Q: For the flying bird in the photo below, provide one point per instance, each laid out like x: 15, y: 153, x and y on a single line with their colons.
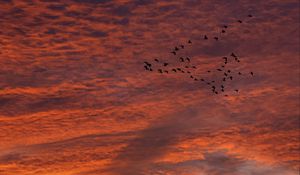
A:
x: 190, y: 42
x: 160, y: 71
x: 250, y: 16
x: 252, y: 73
x: 176, y: 49
x: 174, y: 53
x: 239, y: 21
x: 216, y: 38
x: 225, y: 26
x: 165, y: 64
x: 156, y: 60
x: 182, y: 46
x: 181, y: 59
x: 205, y: 37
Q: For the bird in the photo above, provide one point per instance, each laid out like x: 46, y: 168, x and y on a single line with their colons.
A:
x: 237, y: 90
x: 208, y: 83
x: 213, y: 87
x: 222, y: 90
x: 160, y: 71
x: 239, y: 21
x: 151, y: 69
x: 181, y: 59
x: 165, y: 64
x: 176, y: 49
x: 186, y: 66
x: 148, y: 64
x: 179, y: 69
x: 187, y: 58
x: 225, y: 26
x: 222, y: 86
x: 226, y: 95
x: 216, y: 92
x: 252, y: 73
x: 174, y: 52
x: 188, y: 72
x: 230, y: 77
x: 216, y: 38
x: 205, y: 37
x: 194, y: 67
x: 191, y: 76
x: 182, y: 46
x: 146, y: 67
x: 189, y: 41
x: 228, y: 71
x: 208, y: 71
x: 224, y: 79
x: 250, y: 16
x: 166, y: 71
x: 195, y: 79
x: 212, y: 81
x: 182, y: 71
x: 156, y: 60
x: 202, y: 79
x: 233, y: 55
x: 240, y: 73
x: 219, y: 69
x: 223, y: 66
x: 225, y: 73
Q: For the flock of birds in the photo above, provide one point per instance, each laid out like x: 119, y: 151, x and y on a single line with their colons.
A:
x: 219, y: 84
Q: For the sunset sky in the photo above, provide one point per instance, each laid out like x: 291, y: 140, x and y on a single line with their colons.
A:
x: 75, y: 98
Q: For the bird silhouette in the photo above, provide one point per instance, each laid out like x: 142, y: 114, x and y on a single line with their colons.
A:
x: 240, y: 73
x: 186, y: 66
x: 224, y: 79
x: 250, y: 16
x: 208, y: 71
x: 231, y: 77
x: 194, y: 67
x: 182, y: 46
x: 166, y: 71
x: 216, y: 38
x: 223, y: 31
x: 225, y: 73
x: 165, y: 64
x: 156, y: 60
x: 176, y: 49
x: 239, y: 21
x: 174, y: 53
x: 205, y: 37
x: 146, y: 67
x: 190, y: 42
x: 160, y: 71
x: 191, y: 76
x: 225, y: 26
x: 195, y: 79
x: 202, y: 79
x: 252, y: 73
x: 228, y: 71
x: 181, y: 59
x: 219, y: 69
x: 236, y: 90
x: 174, y: 70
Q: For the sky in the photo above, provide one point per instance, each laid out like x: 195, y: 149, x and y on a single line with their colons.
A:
x: 75, y: 98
